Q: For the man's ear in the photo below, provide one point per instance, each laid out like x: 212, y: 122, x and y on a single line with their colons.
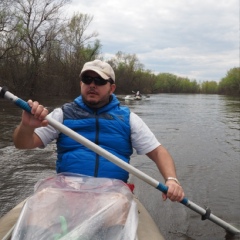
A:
x: 113, y: 87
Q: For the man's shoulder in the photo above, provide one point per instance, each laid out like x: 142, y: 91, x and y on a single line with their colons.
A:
x: 68, y: 104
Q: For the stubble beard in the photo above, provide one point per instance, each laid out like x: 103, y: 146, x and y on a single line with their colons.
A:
x: 96, y: 103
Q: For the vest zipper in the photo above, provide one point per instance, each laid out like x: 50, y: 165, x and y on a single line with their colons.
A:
x: 96, y: 141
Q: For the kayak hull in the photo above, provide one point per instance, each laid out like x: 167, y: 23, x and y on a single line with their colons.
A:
x: 147, y: 229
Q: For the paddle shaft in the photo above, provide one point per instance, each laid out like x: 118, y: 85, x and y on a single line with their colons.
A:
x: 129, y: 168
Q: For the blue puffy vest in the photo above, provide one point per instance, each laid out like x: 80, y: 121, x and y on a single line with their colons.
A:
x: 108, y: 127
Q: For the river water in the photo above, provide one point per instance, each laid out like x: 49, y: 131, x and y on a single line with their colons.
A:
x: 202, y: 133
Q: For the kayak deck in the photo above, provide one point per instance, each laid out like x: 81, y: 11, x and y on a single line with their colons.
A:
x: 8, y: 221
x: 147, y: 228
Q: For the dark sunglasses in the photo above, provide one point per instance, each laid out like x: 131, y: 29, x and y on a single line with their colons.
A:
x: 97, y: 80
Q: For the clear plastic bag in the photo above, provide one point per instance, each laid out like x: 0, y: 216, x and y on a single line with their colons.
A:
x: 77, y: 207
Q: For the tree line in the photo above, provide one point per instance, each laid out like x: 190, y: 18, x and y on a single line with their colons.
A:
x: 42, y: 53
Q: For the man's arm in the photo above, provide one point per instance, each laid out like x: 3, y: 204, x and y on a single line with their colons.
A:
x: 166, y: 166
x: 24, y: 136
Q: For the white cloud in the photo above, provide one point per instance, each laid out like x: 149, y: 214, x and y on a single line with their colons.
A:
x: 198, y: 39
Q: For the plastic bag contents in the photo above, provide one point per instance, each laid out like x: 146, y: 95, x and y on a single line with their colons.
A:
x: 77, y: 207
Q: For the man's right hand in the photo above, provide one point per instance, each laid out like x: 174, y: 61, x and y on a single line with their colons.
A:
x: 37, y: 116
x: 24, y: 136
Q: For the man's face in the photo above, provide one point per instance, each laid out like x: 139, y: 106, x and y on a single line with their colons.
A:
x: 94, y: 95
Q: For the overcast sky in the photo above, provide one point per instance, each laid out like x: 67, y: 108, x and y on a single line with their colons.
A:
x: 198, y: 39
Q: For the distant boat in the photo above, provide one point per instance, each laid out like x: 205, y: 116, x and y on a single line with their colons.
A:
x: 137, y: 96
x: 130, y: 97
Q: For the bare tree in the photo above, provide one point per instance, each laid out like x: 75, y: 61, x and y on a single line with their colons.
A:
x: 127, y: 68
x: 7, y: 28
x: 76, y: 40
x: 39, y: 23
x: 77, y: 46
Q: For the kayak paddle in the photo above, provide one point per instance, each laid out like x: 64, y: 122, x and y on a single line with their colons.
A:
x: 205, y: 213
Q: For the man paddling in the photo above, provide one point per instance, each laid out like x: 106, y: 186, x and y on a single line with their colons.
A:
x: 98, y: 116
